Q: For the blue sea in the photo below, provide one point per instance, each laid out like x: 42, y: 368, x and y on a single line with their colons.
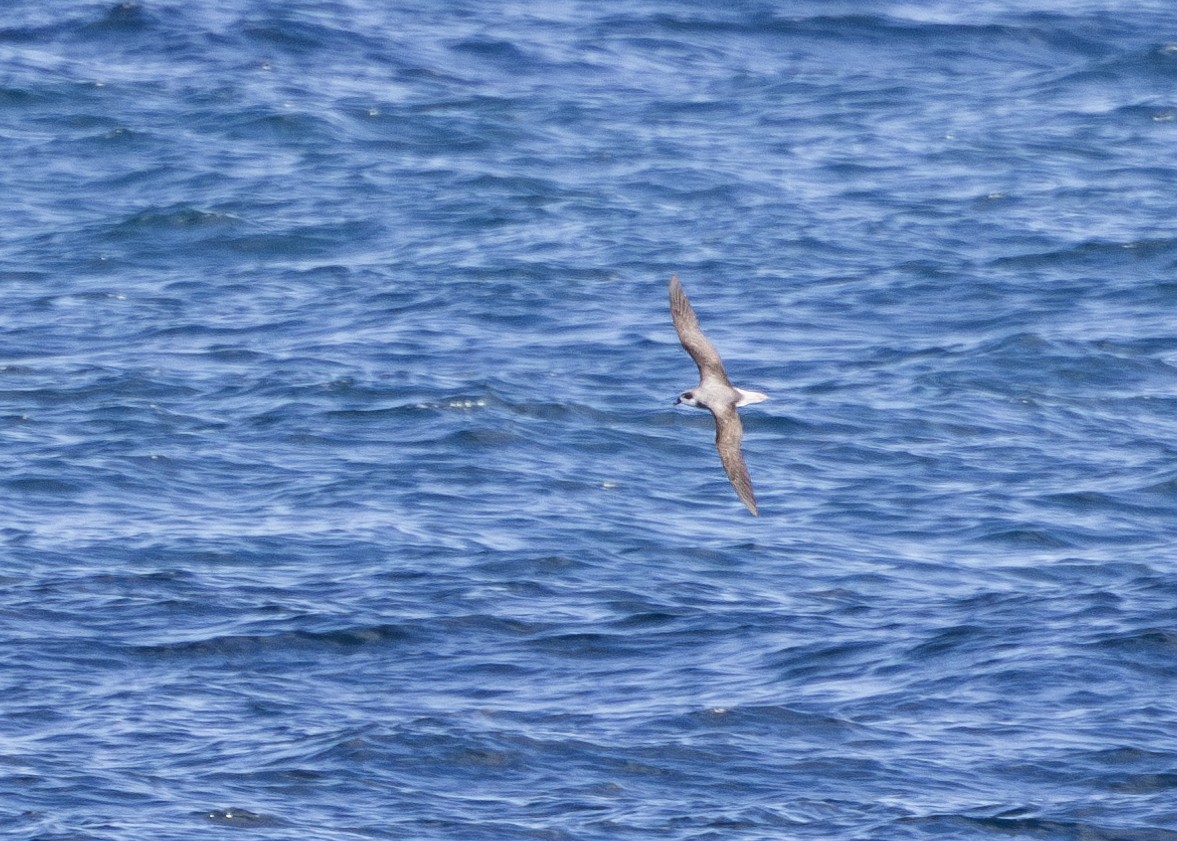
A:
x: 343, y: 495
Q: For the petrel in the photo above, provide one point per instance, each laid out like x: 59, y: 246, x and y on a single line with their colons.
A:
x: 714, y: 393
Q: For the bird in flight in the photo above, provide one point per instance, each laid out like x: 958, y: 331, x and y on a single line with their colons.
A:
x: 715, y: 393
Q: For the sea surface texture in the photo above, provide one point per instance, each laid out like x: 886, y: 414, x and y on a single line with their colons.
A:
x: 343, y: 495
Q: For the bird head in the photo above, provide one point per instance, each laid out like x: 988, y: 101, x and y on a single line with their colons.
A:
x: 687, y: 397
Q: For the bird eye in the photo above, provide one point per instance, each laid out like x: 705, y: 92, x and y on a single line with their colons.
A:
x: 688, y: 395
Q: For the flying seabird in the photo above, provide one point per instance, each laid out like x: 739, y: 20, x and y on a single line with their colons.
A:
x: 714, y: 393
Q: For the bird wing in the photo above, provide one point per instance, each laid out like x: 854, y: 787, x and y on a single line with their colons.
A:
x: 729, y: 431
x: 692, y: 338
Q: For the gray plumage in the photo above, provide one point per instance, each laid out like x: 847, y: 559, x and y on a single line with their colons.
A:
x: 715, y: 393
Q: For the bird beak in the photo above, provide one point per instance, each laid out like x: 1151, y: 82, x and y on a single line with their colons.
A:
x: 677, y: 400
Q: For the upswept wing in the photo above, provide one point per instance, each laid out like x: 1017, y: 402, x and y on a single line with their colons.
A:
x: 691, y: 336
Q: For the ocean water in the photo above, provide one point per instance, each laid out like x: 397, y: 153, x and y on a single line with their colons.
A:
x: 342, y: 495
